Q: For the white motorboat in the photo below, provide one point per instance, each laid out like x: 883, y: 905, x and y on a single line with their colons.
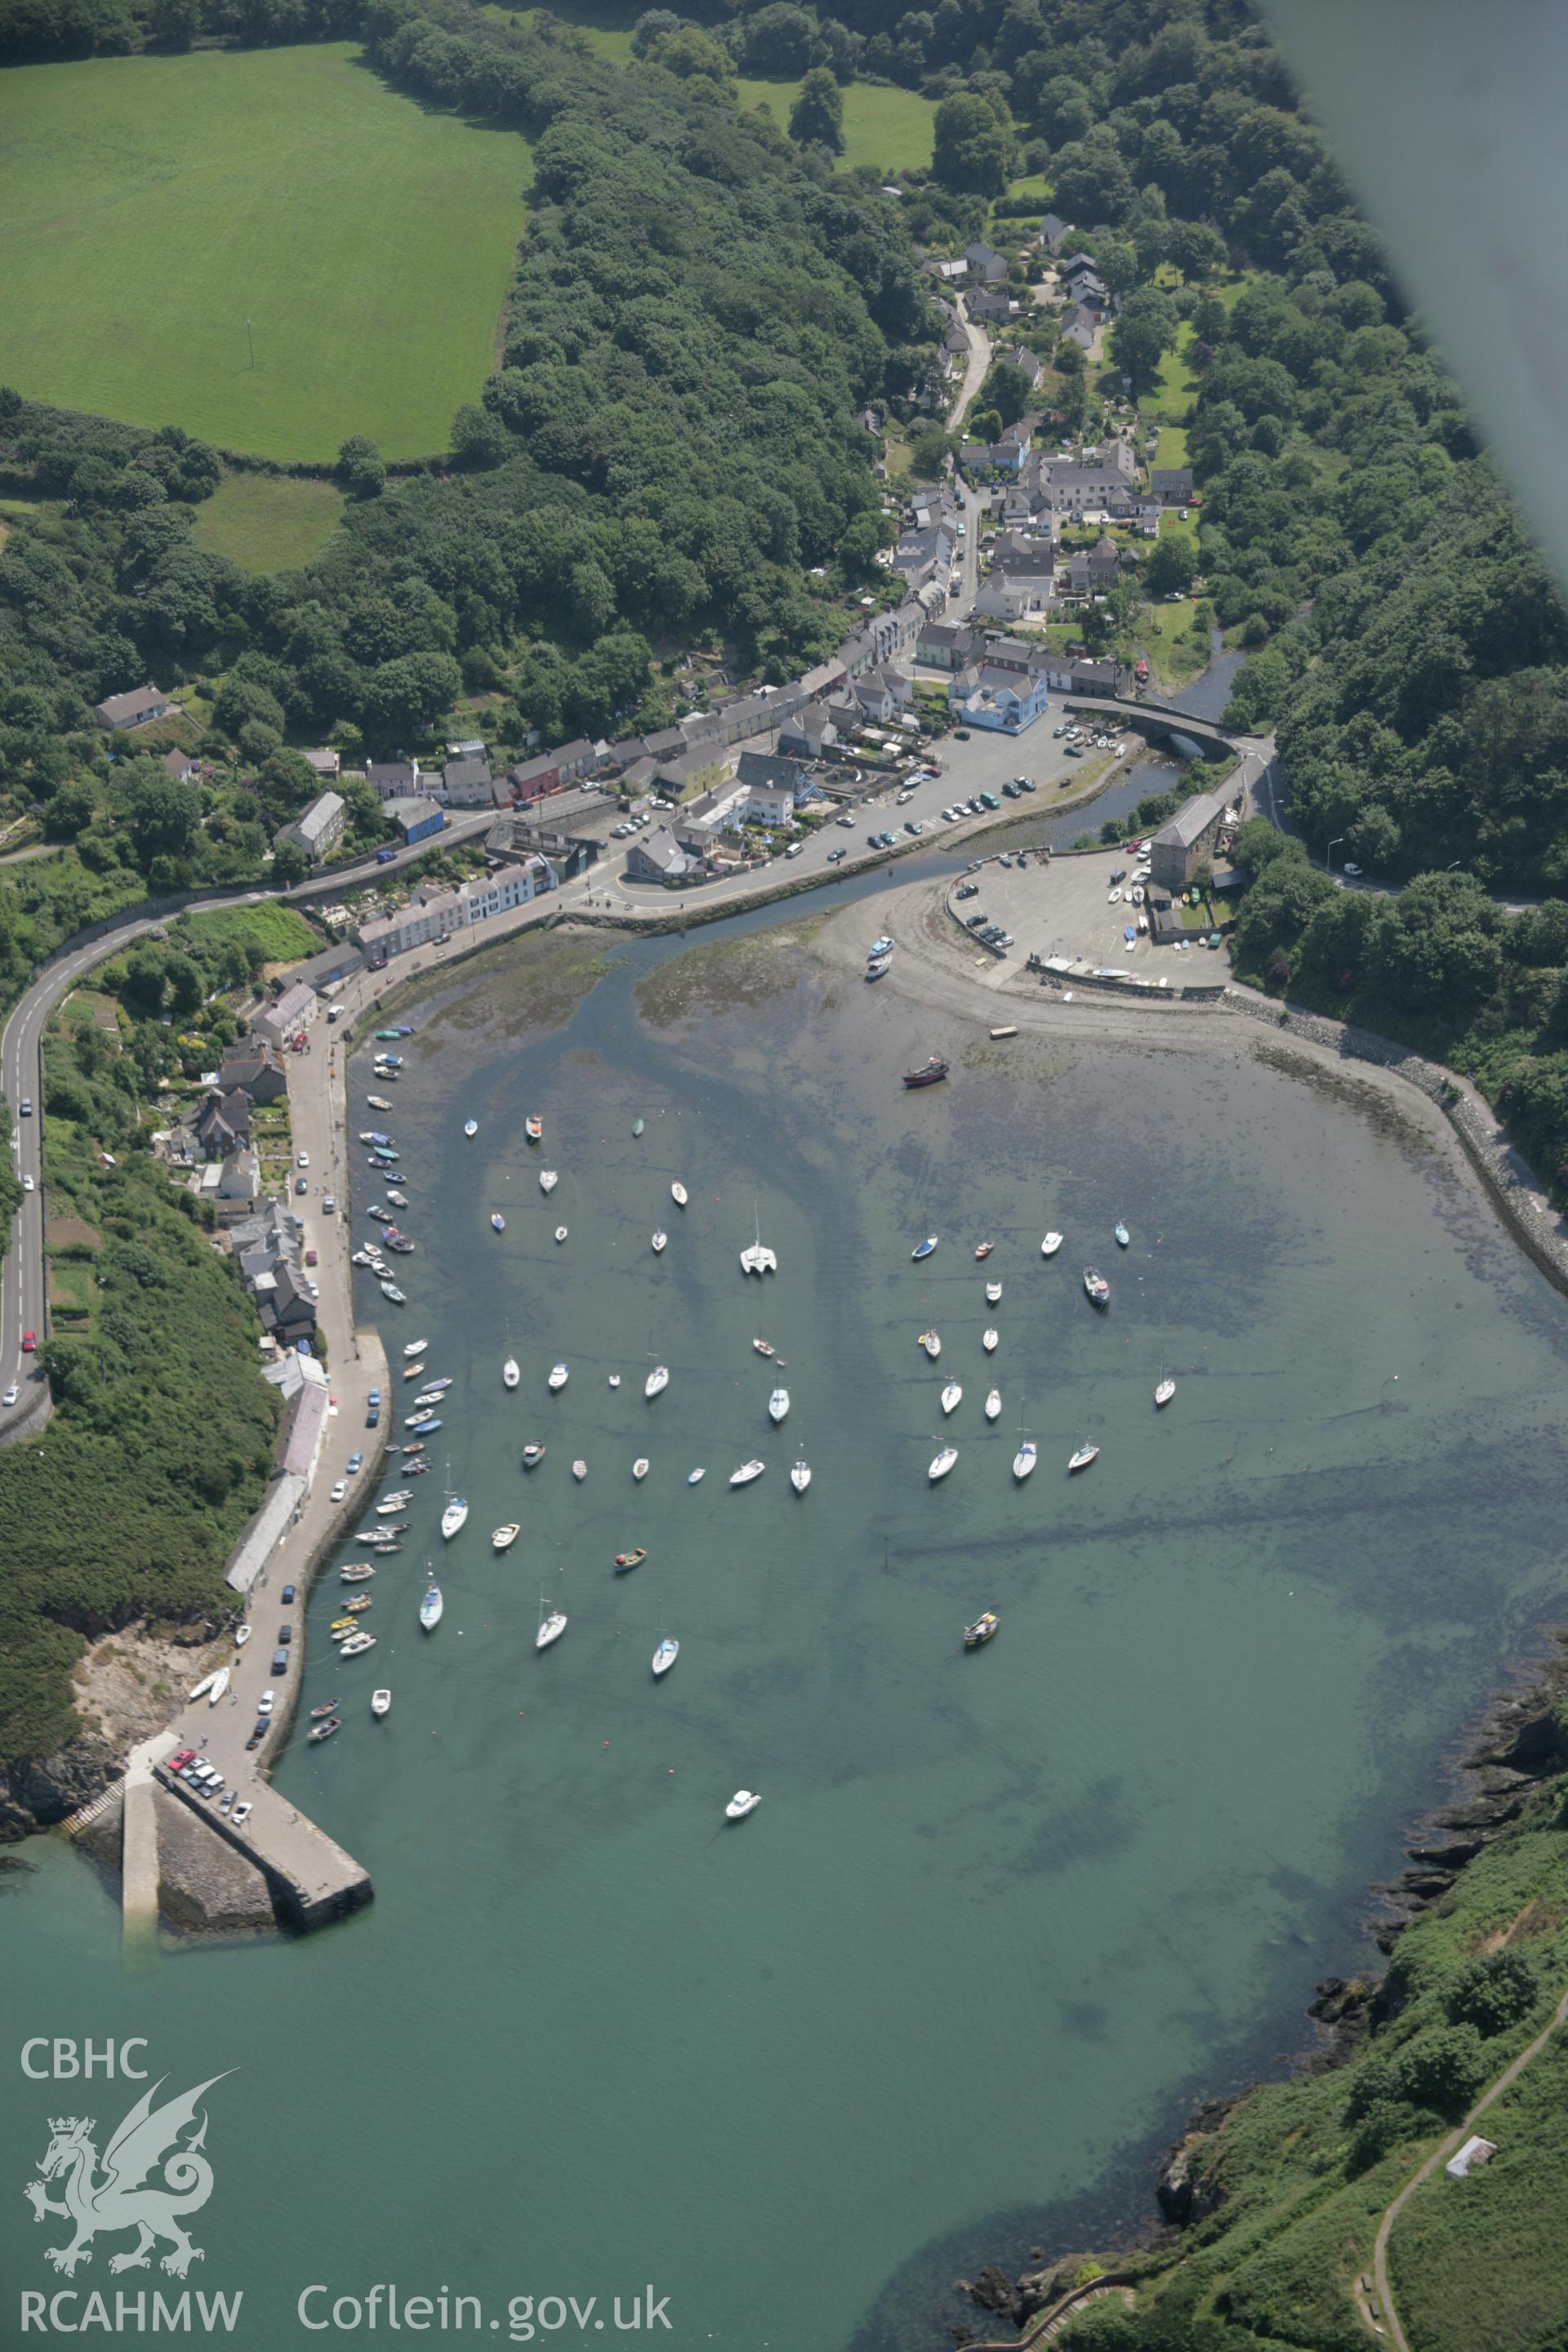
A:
x: 743, y: 1801
x: 614, y: 1379
x: 656, y: 1381
x: 778, y: 1405
x: 510, y: 1372
x: 932, y: 1344
x: 746, y: 1473
x: 953, y: 1396
x: 430, y: 1608
x: 1084, y: 1456
x: 993, y: 1294
x: 559, y: 1376
x: 800, y: 1477
x: 678, y: 1194
x: 380, y: 1702
x: 942, y: 1463
x: 641, y: 1467
x: 241, y: 1636
x: 505, y: 1537
x: 378, y: 1102
x: 551, y: 1628
x: 660, y: 1240
x: 548, y: 1179
x: 990, y: 1339
x: 471, y: 1128
x: 579, y: 1470
x: 665, y: 1656
x: 356, y: 1645
x: 357, y: 1571
x: 205, y: 1686
x: 498, y: 1223
x: 1025, y: 1459
x: 992, y: 1404
x: 219, y: 1685
x: 695, y: 1477
x: 1123, y: 1235
x: 416, y: 1347
x: 1050, y: 1245
x: 1165, y: 1389
x: 453, y: 1517
x: 560, y: 1233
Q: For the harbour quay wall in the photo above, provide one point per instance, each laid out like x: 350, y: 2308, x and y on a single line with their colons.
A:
x: 312, y: 1880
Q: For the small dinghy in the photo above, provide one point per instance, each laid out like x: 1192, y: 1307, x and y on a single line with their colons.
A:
x: 534, y: 1127
x: 665, y: 1656
x: 743, y: 1801
x: 548, y: 1179
x: 380, y: 1702
x: 993, y: 1294
x: 953, y: 1396
x: 983, y: 1250
x: 498, y: 1223
x: 932, y: 1344
x: 470, y: 1129
x: 695, y: 1477
x: 990, y: 1339
x: 636, y: 1126
x: 1098, y: 1288
x: 579, y: 1470
x: 633, y: 1559
x: 678, y: 1193
x: 560, y: 1233
x: 505, y: 1537
x: 984, y: 1625
x: 320, y: 1731
x: 1123, y: 1235
x: 532, y: 1455
x: 640, y: 1469
x: 660, y: 1240
x: 614, y: 1379
x: 319, y: 1714
x: 993, y: 1405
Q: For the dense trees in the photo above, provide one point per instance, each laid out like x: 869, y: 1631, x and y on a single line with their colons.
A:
x: 973, y: 145
x: 818, y: 113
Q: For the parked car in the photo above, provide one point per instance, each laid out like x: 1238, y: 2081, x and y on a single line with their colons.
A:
x: 1026, y: 784
x: 302, y: 1160
x: 340, y: 1489
x: 968, y: 890
x: 258, y: 1734
x: 794, y: 849
x: 837, y: 857
x: 266, y: 1702
x: 1353, y: 870
x: 961, y: 734
x: 301, y: 1186
x: 383, y: 857
x: 328, y: 1205
x: 356, y: 1463
x: 182, y: 1757
x: 975, y: 922
x: 912, y: 825
x: 289, y: 1592
x: 310, y: 1258
x: 845, y: 819
x: 242, y: 1811
x: 279, y: 1662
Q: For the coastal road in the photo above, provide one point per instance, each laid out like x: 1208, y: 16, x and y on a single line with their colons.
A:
x: 977, y: 368
x: 23, y: 1275
x: 1440, y: 2155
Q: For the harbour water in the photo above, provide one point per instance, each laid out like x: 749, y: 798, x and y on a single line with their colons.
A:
x: 1001, y: 1916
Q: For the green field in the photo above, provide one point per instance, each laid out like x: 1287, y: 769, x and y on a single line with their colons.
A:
x: 889, y: 129
x: 277, y: 934
x: 150, y: 206
x: 268, y: 523
x: 609, y: 24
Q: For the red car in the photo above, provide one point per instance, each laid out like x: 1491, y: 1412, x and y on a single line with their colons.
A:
x: 177, y: 1763
x: 311, y: 1258
x: 28, y: 1343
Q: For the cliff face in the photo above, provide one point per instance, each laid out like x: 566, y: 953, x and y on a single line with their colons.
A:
x: 37, y: 1792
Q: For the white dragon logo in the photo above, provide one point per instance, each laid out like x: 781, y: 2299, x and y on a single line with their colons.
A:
x: 145, y: 2139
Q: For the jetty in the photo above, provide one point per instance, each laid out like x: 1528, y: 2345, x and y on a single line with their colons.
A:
x: 311, y: 1879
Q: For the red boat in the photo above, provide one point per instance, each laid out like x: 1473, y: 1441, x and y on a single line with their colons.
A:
x: 928, y: 1074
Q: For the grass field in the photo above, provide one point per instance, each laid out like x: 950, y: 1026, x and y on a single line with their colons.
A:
x: 268, y: 523
x: 891, y: 129
x: 609, y: 24
x: 277, y: 933
x: 150, y: 206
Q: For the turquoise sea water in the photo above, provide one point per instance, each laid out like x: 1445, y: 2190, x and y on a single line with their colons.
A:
x: 1001, y: 1917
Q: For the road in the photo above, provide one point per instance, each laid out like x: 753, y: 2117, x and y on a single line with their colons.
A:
x: 963, y: 590
x: 1440, y: 2155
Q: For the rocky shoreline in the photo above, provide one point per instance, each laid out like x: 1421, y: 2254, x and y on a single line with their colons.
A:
x: 1520, y: 1739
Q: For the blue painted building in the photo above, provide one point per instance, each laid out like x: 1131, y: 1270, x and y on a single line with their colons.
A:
x: 416, y: 820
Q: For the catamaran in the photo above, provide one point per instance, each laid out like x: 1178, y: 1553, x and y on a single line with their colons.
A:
x: 756, y: 1259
